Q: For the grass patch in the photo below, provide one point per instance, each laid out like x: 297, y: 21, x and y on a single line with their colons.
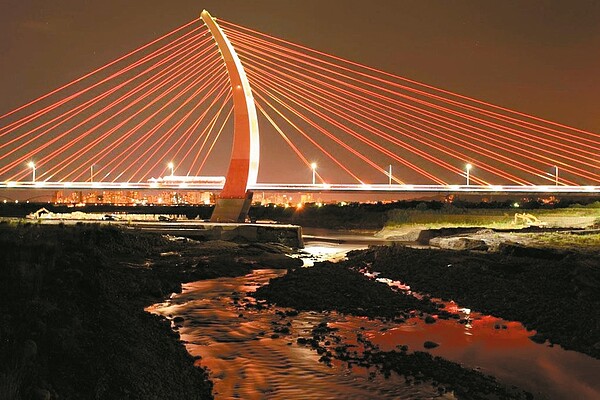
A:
x: 563, y: 240
x: 490, y: 218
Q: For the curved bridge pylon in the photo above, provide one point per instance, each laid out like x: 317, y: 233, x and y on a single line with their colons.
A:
x: 234, y: 201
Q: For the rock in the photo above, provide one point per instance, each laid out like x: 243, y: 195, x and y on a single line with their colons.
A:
x: 275, y: 248
x: 459, y: 243
x: 411, y: 235
x: 519, y: 250
x: 40, y: 394
x: 426, y: 235
x: 283, y: 330
x: 30, y: 351
x: 538, y: 338
x: 430, y: 345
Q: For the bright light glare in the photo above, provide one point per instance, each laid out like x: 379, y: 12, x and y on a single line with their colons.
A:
x: 468, y: 166
x: 313, y: 165
x: 31, y: 164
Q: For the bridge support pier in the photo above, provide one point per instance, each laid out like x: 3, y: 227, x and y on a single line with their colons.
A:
x: 232, y: 210
x: 235, y: 200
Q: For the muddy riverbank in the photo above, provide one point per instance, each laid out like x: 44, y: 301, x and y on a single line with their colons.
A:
x: 72, y: 319
x: 558, y: 295
x: 553, y: 295
x: 335, y: 287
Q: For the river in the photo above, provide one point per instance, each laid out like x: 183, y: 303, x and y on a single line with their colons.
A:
x: 246, y: 360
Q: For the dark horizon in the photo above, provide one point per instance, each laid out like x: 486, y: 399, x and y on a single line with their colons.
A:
x: 537, y: 57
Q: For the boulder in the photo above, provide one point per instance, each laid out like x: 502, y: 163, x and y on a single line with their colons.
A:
x: 459, y: 243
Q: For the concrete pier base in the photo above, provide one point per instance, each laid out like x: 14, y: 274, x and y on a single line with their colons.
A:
x: 288, y: 235
x: 232, y: 210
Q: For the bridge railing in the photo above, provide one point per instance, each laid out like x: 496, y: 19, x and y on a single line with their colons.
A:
x: 307, y: 187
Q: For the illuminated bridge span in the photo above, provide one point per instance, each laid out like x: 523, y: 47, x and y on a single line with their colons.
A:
x: 307, y: 187
x: 180, y: 104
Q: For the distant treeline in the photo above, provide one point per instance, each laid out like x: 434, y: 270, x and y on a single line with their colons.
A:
x: 192, y: 211
x: 376, y: 215
x: 343, y: 215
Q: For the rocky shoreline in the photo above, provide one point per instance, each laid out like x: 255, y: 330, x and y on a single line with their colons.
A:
x: 340, y: 287
x: 552, y: 291
x: 73, y: 325
x: 556, y: 294
x: 72, y: 319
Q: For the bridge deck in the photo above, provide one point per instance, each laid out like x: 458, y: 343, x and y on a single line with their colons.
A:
x: 276, y: 187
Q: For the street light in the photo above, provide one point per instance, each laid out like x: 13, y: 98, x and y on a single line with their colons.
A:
x: 172, y: 166
x: 390, y: 175
x: 92, y: 173
x: 32, y: 166
x: 556, y: 175
x: 468, y: 168
x: 314, y: 172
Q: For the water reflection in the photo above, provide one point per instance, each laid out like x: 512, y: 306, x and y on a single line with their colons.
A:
x: 248, y: 360
x: 494, y: 346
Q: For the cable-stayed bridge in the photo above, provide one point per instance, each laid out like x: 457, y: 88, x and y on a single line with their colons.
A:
x: 164, y: 115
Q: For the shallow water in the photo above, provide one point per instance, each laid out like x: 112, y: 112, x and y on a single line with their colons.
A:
x: 246, y: 362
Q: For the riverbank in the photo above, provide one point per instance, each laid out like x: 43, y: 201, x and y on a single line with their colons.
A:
x: 73, y: 325
x: 555, y: 293
x: 72, y: 319
x: 552, y: 291
x: 338, y: 287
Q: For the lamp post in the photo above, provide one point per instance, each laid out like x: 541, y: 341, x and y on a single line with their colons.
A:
x: 172, y: 166
x: 32, y: 166
x: 556, y: 175
x: 92, y: 173
x: 314, y: 172
x: 390, y: 176
x: 468, y: 169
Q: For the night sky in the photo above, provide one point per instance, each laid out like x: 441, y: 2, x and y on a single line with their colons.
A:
x: 539, y: 57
